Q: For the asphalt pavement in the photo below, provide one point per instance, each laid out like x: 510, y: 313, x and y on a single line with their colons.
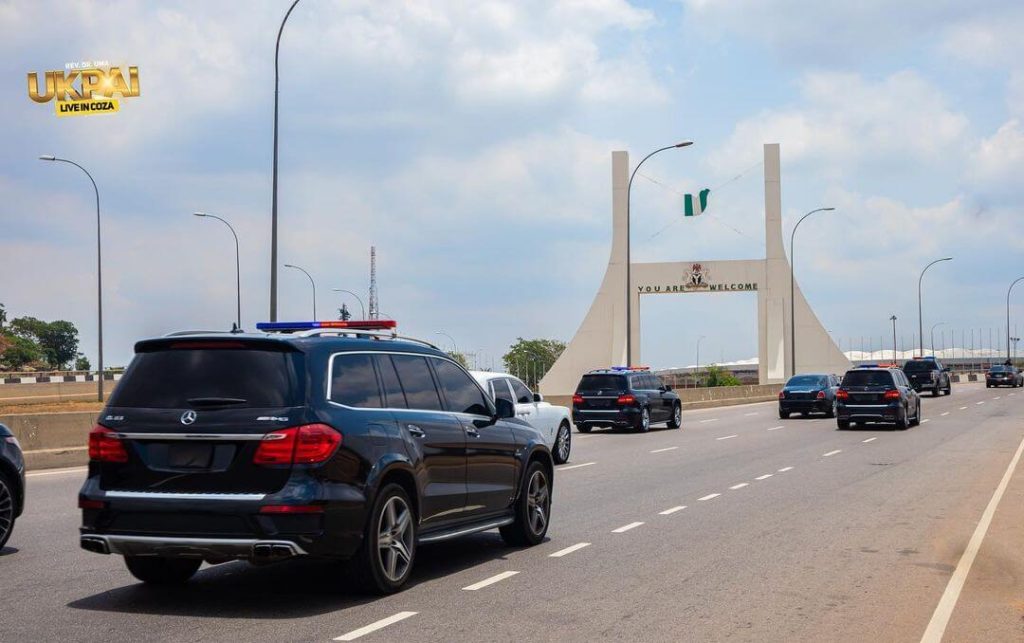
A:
x: 739, y: 527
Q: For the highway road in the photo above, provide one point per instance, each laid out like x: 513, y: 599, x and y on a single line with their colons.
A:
x: 738, y: 527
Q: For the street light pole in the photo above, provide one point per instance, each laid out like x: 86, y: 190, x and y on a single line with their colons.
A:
x: 1008, y: 291
x: 893, y: 320
x: 99, y: 271
x: 932, y: 334
x: 629, y: 272
x: 238, y: 268
x: 455, y: 349
x: 312, y: 283
x: 273, y: 207
x: 697, y: 374
x: 361, y: 307
x: 792, y: 291
x: 920, y: 318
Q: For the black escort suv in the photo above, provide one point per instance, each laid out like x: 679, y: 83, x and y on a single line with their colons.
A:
x: 339, y: 442
x: 624, y: 397
x: 877, y: 394
x: 926, y: 373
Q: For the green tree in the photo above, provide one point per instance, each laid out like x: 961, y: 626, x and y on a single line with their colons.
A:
x: 82, y: 363
x: 16, y: 352
x: 530, y: 359
x: 719, y: 376
x: 460, y: 358
x: 3, y: 316
x: 57, y: 340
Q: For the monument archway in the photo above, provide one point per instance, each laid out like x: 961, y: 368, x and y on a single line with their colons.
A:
x: 600, y: 341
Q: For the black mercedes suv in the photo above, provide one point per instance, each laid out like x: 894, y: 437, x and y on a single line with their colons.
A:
x: 877, y: 394
x: 624, y: 397
x: 926, y: 373
x: 334, y: 440
x: 12, y: 483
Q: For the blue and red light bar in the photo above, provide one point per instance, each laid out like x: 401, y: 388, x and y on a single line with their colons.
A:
x: 369, y: 324
x: 631, y: 368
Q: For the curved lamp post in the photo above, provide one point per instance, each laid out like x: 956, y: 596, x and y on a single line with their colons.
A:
x: 920, y: 319
x: 361, y: 307
x: 792, y: 291
x: 696, y: 378
x: 455, y: 349
x: 273, y: 207
x: 629, y: 274
x: 932, y: 334
x: 893, y: 320
x: 312, y: 283
x: 1008, y: 291
x: 238, y: 269
x: 99, y: 271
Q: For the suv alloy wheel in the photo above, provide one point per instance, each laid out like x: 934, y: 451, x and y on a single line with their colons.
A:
x: 6, y: 511
x: 384, y: 560
x: 533, y: 509
x: 563, y: 444
x: 677, y: 417
x: 645, y: 420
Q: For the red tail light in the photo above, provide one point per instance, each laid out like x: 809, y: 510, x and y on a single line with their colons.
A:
x: 891, y: 395
x: 292, y: 509
x: 782, y: 395
x: 841, y: 394
x: 626, y: 400
x: 84, y: 503
x: 821, y: 395
x: 106, y: 446
x: 307, y: 444
x: 577, y: 399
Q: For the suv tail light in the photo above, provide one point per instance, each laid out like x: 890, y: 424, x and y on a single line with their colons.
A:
x: 106, y: 446
x: 842, y: 394
x: 891, y: 395
x: 577, y: 399
x: 626, y: 400
x: 821, y: 395
x: 782, y: 395
x: 306, y: 444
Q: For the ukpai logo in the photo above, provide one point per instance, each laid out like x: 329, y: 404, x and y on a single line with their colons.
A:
x: 86, y: 87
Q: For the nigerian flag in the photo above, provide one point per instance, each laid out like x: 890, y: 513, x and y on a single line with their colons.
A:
x: 696, y: 205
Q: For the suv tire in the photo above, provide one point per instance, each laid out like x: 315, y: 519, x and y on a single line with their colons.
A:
x: 532, y: 509
x: 157, y: 570
x: 783, y: 415
x: 831, y: 412
x: 385, y: 568
x: 563, y: 443
x: 677, y: 417
x: 842, y: 425
x: 6, y: 510
x: 901, y: 420
x: 583, y: 428
x: 644, y: 423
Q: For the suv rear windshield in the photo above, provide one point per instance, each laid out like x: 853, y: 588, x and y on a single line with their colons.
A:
x: 867, y: 378
x: 920, y: 365
x: 210, y: 376
x: 602, y: 383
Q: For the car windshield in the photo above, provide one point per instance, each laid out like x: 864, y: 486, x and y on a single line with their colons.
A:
x: 867, y: 378
x: 919, y: 365
x: 602, y: 383
x: 208, y: 376
x: 1000, y: 369
x: 807, y: 380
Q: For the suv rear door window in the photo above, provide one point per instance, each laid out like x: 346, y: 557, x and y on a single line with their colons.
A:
x: 394, y: 396
x: 868, y: 378
x: 354, y: 381
x: 523, y: 394
x: 920, y: 366
x: 460, y: 391
x: 203, y: 373
x: 417, y: 382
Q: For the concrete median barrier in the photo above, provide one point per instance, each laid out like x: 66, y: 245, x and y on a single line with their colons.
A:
x: 700, y: 398
x: 52, y: 440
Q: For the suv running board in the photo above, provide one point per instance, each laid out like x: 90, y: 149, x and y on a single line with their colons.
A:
x: 465, y: 530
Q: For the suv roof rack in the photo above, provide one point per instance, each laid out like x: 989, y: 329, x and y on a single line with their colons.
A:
x: 182, y: 333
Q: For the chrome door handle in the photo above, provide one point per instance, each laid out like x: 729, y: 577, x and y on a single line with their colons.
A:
x: 415, y: 430
x: 473, y: 433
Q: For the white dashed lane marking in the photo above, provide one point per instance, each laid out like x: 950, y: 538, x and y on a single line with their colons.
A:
x: 981, y: 402
x: 997, y: 397
x: 926, y: 421
x: 869, y: 440
x: 568, y: 550
x: 785, y: 469
x: 489, y: 581
x: 575, y: 466
x: 672, y: 510
x: 709, y: 420
x: 832, y: 453
x: 747, y: 415
x: 945, y: 414
x: 373, y: 627
x: 738, y: 486
x: 726, y: 437
x: 776, y: 428
x: 764, y: 477
x: 625, y: 528
x: 708, y: 497
x: 665, y: 449
x: 963, y: 408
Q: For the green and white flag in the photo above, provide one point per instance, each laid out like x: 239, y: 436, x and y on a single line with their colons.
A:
x: 696, y: 205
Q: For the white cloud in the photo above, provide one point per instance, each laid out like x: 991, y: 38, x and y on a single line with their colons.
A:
x: 998, y: 160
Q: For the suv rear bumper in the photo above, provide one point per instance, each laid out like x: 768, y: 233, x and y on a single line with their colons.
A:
x: 189, y: 547
x: 805, y: 406
x: 869, y: 412
x: 627, y: 416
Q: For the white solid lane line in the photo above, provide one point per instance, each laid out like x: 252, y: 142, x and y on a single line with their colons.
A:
x: 625, y: 528
x: 776, y: 428
x: 489, y: 581
x: 574, y: 466
x: 709, y: 420
x: 764, y: 477
x: 832, y: 453
x: 869, y: 440
x: 373, y: 627
x: 672, y: 510
x: 944, y: 610
x: 963, y: 408
x: 944, y: 414
x: 568, y: 550
x: 663, y: 450
x: 708, y: 497
x: 785, y: 469
x: 726, y: 437
x: 738, y: 486
x: 56, y: 472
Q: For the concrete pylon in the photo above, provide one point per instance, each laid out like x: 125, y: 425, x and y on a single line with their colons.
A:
x: 600, y: 341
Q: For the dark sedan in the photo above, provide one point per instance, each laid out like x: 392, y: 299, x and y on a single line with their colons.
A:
x: 1003, y: 375
x: 12, y: 483
x: 809, y: 393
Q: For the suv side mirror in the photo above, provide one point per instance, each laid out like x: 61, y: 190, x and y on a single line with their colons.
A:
x: 537, y: 397
x: 945, y: 369
x: 505, y: 409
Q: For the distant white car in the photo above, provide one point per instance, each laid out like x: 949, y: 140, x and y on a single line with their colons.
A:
x: 553, y: 422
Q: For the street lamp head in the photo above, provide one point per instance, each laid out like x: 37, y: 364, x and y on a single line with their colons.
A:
x: 47, y: 157
x: 199, y: 214
x: 288, y: 265
x: 684, y: 144
x: 827, y: 209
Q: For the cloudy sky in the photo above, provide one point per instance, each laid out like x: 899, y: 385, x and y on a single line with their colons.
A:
x: 471, y: 143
